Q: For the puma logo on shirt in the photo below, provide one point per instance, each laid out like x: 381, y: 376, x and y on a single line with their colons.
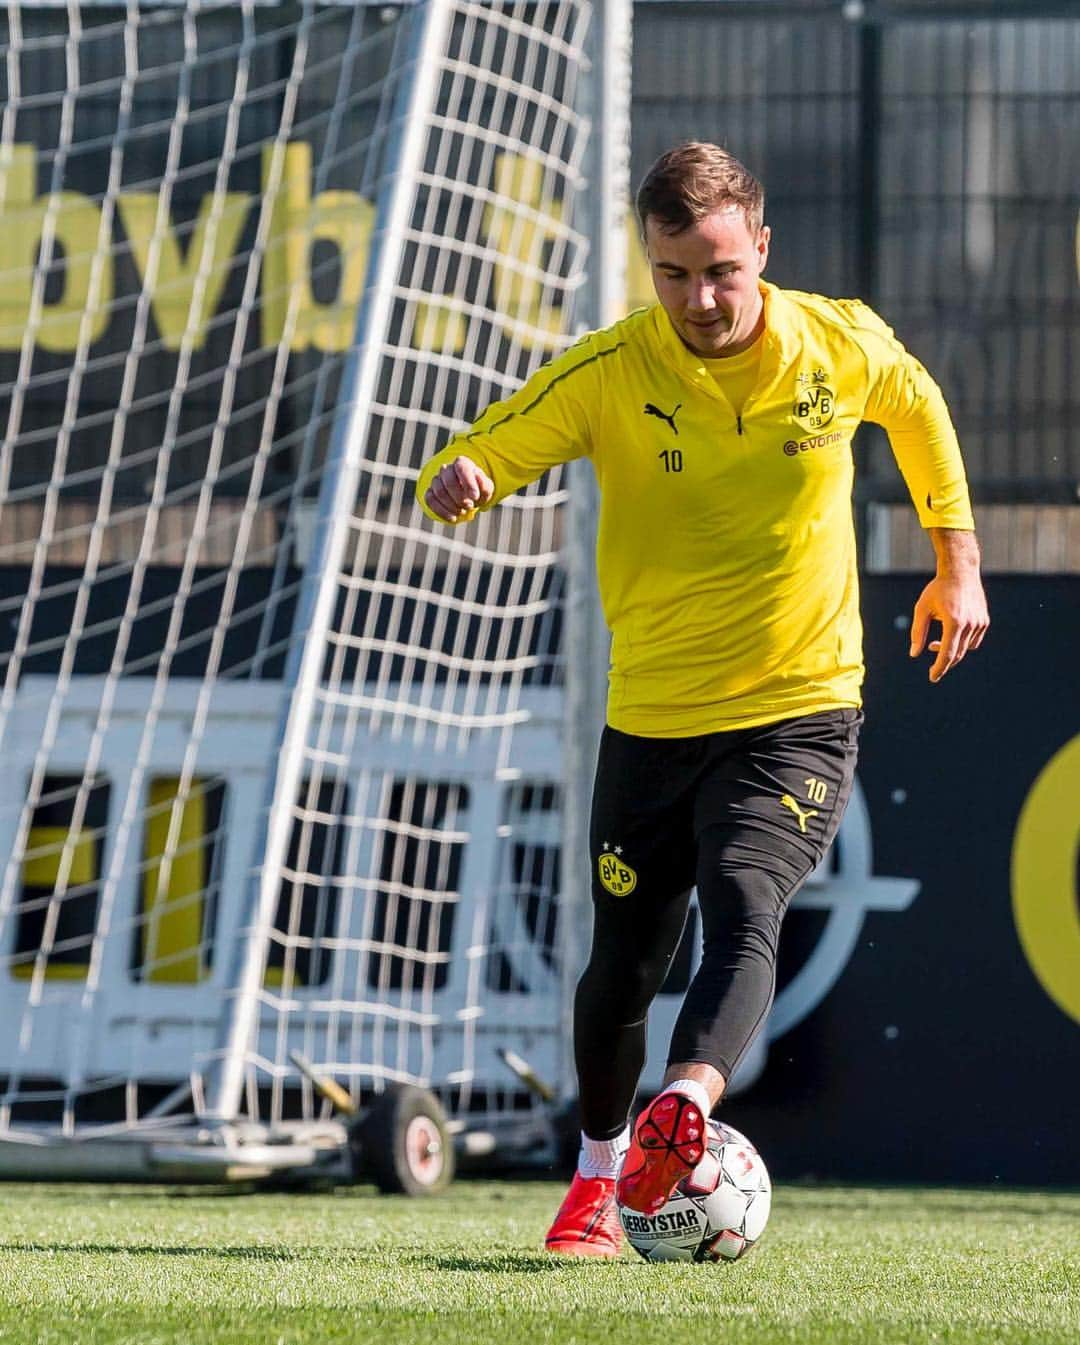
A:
x: 651, y: 410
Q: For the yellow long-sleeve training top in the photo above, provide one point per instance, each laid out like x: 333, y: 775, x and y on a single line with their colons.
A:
x: 726, y: 545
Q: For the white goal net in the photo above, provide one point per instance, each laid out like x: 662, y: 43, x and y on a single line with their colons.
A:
x: 283, y: 763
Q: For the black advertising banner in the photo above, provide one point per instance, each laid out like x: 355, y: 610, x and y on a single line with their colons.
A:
x: 948, y: 1048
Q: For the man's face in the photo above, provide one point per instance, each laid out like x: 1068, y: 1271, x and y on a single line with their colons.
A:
x: 706, y: 279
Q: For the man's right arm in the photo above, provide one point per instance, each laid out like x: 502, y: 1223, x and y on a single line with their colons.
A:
x: 457, y: 490
x: 544, y: 423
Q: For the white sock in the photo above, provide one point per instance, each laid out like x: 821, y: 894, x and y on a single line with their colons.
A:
x: 602, y: 1158
x: 696, y: 1092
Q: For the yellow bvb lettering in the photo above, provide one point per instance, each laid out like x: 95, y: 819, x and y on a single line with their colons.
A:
x: 1044, y: 878
x: 522, y: 224
x: 343, y: 218
x: 75, y: 225
x: 184, y: 293
x: 524, y: 235
x: 521, y: 238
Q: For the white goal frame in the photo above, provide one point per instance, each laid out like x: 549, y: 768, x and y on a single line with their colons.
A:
x: 227, y: 1038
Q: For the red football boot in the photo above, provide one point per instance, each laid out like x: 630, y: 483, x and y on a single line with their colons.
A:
x: 587, y: 1223
x: 668, y: 1142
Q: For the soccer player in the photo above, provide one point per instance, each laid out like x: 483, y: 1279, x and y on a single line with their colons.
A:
x: 719, y: 423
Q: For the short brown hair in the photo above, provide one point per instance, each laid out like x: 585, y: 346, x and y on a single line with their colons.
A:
x: 696, y: 179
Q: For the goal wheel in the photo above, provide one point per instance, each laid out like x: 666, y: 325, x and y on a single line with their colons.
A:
x: 404, y: 1142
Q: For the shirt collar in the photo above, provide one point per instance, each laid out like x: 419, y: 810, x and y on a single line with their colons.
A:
x: 779, y: 337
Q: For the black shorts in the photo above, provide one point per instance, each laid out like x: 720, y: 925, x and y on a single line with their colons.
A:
x: 776, y: 792
x: 744, y: 815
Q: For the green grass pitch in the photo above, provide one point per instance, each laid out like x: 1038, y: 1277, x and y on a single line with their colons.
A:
x: 837, y: 1266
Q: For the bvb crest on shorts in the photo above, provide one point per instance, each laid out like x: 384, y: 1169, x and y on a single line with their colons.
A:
x: 617, y: 877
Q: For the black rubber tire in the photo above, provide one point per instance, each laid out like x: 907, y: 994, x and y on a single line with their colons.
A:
x: 404, y: 1143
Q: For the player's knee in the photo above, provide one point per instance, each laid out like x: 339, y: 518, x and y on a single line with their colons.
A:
x: 744, y: 892
x: 620, y: 992
x: 741, y: 911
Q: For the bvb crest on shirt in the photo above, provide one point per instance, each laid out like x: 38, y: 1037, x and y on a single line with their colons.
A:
x: 815, y: 402
x: 618, y: 878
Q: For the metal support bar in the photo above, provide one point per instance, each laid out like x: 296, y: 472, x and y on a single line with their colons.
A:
x: 586, y: 634
x: 419, y: 88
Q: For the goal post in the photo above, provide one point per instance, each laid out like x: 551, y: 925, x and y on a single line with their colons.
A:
x: 414, y: 103
x: 289, y: 773
x: 587, y: 636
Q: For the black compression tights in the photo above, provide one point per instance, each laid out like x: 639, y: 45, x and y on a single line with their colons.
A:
x: 633, y: 945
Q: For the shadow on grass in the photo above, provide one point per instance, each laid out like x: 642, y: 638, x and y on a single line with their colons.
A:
x: 154, y: 1249
x: 509, y: 1262
x: 506, y: 1263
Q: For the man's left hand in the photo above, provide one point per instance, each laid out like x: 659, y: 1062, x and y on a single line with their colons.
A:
x: 956, y: 599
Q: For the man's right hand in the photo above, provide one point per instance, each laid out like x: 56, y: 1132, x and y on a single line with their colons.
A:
x: 458, y: 489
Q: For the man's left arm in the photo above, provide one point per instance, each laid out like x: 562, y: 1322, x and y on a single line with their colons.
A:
x: 955, y: 598
x: 906, y: 401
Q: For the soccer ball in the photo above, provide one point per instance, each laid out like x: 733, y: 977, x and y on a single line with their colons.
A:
x: 716, y: 1213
